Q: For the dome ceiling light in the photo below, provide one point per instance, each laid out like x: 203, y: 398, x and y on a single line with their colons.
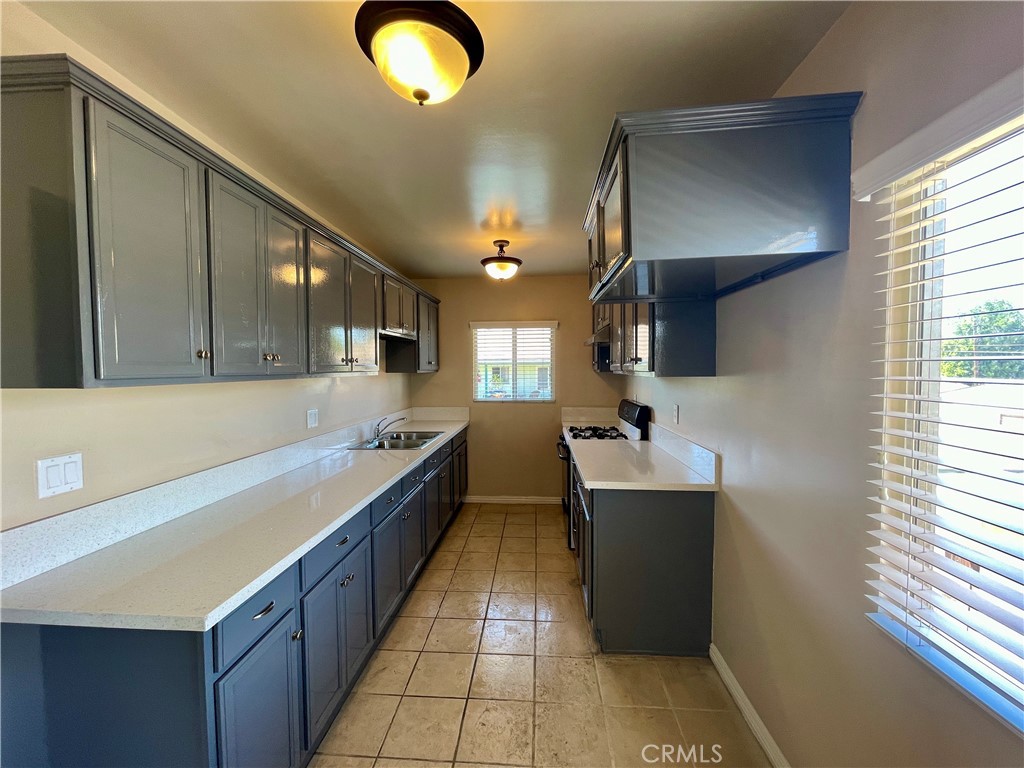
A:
x: 501, y: 267
x: 424, y: 51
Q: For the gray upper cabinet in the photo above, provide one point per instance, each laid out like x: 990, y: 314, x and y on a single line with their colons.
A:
x: 238, y: 258
x: 342, y: 310
x: 399, y: 308
x: 427, y: 346
x: 612, y: 233
x: 286, y: 293
x: 149, y: 282
x: 257, y: 276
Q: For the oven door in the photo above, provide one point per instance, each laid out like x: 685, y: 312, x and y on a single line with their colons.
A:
x: 584, y: 548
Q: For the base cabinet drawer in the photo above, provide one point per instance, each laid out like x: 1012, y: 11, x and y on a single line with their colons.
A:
x: 254, y: 617
x: 257, y: 703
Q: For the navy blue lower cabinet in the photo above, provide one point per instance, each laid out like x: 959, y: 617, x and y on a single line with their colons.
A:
x: 432, y: 509
x: 388, y: 583
x: 662, y: 603
x: 447, y: 500
x: 357, y: 609
x: 413, y: 544
x: 257, y: 703
x: 323, y: 626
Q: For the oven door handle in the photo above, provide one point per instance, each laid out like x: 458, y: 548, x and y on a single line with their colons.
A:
x: 563, y: 450
x: 583, y: 502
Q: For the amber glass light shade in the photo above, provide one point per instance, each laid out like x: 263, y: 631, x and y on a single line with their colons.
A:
x: 420, y: 62
x: 501, y: 267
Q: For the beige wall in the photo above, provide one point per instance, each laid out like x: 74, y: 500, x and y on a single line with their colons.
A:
x: 131, y: 438
x: 512, y: 449
x: 790, y: 414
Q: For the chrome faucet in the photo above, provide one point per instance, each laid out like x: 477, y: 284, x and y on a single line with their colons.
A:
x: 379, y: 429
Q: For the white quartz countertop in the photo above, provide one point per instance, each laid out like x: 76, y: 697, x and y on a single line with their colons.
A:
x: 639, y: 465
x: 191, y: 572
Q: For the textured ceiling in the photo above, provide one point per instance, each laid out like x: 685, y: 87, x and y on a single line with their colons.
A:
x: 285, y: 87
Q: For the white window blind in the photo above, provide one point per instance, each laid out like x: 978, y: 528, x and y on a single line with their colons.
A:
x: 514, y: 361
x: 948, y: 562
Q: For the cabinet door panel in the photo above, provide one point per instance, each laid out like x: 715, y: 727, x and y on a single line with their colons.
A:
x: 365, y: 290
x: 446, y: 499
x: 412, y: 537
x: 358, y: 599
x: 328, y: 307
x: 615, y: 351
x: 323, y: 626
x: 257, y: 703
x: 643, y: 357
x: 409, y: 300
x: 286, y: 293
x: 388, y: 583
x: 628, y: 337
x: 149, y: 279
x: 613, y: 239
x: 392, y: 305
x: 432, y: 509
x: 238, y: 276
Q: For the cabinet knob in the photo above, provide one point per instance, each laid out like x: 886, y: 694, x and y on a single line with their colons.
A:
x: 444, y: 475
x: 297, y: 635
x: 277, y: 357
x: 203, y: 354
x: 268, y: 356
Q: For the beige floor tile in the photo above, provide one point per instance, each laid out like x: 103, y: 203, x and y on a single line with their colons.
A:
x: 518, y: 582
x: 482, y: 544
x: 388, y: 672
x: 728, y: 730
x: 486, y: 529
x: 502, y: 677
x: 521, y: 531
x: 471, y: 581
x: 497, y: 732
x: 360, y: 727
x: 441, y: 674
x: 452, y: 542
x: 501, y: 636
x: 492, y: 507
x: 454, y: 636
x: 520, y: 518
x: 488, y: 516
x: 693, y: 684
x: 520, y: 509
x: 511, y: 606
x: 571, y: 735
x: 560, y: 563
x: 435, y: 580
x: 548, y: 531
x: 553, y: 511
x: 563, y: 638
x: 556, y: 546
x: 407, y: 633
x: 630, y: 729
x: 559, y: 608
x: 567, y: 680
x: 460, y: 526
x: 517, y: 561
x: 477, y: 561
x: 340, y: 761
x: 423, y: 603
x: 464, y: 605
x: 401, y: 762
x: 517, y: 545
x: 443, y: 561
x: 557, y: 584
x: 630, y: 681
x: 424, y: 729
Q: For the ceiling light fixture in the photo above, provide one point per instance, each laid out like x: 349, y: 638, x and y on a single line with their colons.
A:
x: 501, y: 267
x: 424, y: 51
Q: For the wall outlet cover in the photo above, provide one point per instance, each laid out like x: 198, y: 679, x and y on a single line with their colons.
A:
x: 312, y: 418
x: 59, y: 474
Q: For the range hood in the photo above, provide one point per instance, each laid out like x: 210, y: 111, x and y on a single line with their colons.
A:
x: 699, y: 203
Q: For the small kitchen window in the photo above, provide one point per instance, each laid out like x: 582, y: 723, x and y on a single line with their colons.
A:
x: 514, y: 361
x: 947, y: 561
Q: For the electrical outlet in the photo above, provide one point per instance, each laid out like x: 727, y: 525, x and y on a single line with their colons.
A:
x: 312, y: 418
x: 675, y: 413
x: 59, y: 474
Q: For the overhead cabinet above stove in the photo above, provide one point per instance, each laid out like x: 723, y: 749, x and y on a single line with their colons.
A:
x: 698, y: 203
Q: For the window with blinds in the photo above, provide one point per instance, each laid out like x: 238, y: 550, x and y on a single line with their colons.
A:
x: 948, y: 562
x: 514, y: 361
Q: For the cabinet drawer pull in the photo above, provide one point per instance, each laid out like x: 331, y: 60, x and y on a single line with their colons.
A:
x: 265, y: 611
x: 297, y: 635
x: 343, y: 542
x: 444, y: 475
x: 415, y: 479
x: 391, y: 500
x: 355, y: 360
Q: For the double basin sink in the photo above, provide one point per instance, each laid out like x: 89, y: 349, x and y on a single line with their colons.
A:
x: 397, y: 441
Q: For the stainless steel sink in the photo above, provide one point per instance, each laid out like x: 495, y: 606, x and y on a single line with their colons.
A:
x: 410, y: 435
x: 388, y: 444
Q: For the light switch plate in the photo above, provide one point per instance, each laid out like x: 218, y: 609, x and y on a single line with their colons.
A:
x: 59, y: 474
x: 312, y: 418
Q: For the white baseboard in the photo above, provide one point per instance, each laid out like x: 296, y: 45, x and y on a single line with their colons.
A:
x: 764, y: 738
x: 513, y: 500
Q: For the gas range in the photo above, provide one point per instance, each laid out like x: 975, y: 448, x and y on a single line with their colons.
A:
x: 596, y: 433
